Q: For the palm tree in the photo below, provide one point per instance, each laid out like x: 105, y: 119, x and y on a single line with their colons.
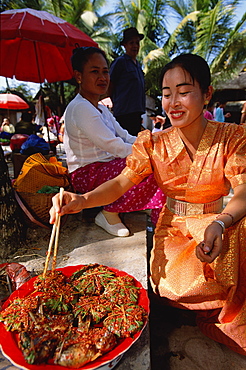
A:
x: 21, y: 4
x: 99, y: 28
x: 205, y: 28
x: 232, y: 56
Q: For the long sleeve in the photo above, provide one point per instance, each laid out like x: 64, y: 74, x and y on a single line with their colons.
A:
x: 93, y: 135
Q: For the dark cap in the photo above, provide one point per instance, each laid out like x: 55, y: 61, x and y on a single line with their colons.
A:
x: 129, y: 33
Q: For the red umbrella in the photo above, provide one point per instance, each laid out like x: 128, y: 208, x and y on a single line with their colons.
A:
x: 36, y: 46
x: 12, y: 101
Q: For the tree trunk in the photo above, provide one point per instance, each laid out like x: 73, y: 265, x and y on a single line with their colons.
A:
x: 12, y: 228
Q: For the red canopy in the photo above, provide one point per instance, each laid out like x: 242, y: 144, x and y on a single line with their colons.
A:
x: 36, y: 46
x: 12, y: 101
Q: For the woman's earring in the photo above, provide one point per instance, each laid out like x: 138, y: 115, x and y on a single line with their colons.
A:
x: 206, y: 102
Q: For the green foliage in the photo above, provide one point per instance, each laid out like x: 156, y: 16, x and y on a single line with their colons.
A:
x: 205, y: 28
x: 156, y: 60
x: 24, y: 90
x: 5, y: 5
x: 21, y: 4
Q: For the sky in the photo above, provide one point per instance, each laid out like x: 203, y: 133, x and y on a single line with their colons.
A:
x: 107, y: 8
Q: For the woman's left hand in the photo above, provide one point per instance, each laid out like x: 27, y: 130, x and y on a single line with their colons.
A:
x: 211, y: 246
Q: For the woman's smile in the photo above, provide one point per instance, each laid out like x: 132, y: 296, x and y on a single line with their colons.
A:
x: 176, y: 114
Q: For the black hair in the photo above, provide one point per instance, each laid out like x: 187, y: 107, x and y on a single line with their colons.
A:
x: 210, y: 104
x: 222, y: 101
x: 81, y: 56
x: 195, y: 65
x: 26, y: 117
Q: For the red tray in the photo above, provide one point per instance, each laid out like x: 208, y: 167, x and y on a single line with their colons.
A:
x: 8, y: 340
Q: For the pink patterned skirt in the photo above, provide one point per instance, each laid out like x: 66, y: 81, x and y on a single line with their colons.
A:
x: 146, y: 195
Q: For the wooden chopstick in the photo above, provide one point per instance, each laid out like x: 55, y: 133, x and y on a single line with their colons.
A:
x: 54, y: 235
x: 58, y: 219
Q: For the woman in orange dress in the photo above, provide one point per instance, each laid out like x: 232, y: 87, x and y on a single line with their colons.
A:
x: 199, y: 256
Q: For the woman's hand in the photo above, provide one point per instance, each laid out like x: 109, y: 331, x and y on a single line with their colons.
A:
x: 71, y: 203
x: 106, y: 193
x: 211, y: 247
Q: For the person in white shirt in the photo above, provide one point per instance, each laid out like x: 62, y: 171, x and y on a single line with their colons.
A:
x: 97, y: 146
x: 7, y: 126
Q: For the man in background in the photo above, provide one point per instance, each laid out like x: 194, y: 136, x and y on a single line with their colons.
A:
x: 25, y: 125
x: 127, y: 88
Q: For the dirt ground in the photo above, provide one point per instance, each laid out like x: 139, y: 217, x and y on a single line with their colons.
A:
x: 37, y: 241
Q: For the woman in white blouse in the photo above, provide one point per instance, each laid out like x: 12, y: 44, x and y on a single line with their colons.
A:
x: 97, y: 146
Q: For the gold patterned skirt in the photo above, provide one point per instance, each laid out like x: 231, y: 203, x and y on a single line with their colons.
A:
x: 217, y: 290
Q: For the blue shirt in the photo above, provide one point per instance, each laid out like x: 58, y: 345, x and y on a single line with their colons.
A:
x: 219, y: 115
x: 128, y: 86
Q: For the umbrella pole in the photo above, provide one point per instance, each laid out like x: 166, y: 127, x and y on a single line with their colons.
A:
x: 45, y: 120
x: 7, y: 83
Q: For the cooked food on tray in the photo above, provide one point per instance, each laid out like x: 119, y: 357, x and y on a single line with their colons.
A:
x: 73, y: 320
